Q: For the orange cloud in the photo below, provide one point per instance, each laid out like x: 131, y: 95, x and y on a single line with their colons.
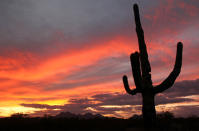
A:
x: 63, y: 62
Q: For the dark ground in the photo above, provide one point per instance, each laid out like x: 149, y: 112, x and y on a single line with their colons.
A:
x: 164, y: 123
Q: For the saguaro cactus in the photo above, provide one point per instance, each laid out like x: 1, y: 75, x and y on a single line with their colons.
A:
x: 142, y: 74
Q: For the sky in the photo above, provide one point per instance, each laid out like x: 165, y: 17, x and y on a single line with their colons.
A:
x: 70, y: 55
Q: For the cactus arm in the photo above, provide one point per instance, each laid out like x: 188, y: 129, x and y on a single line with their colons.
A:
x: 126, y: 86
x: 135, y: 64
x: 145, y: 65
x: 169, y: 81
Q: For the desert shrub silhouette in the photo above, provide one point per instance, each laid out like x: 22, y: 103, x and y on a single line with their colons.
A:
x: 19, y: 115
x: 165, y: 115
x: 142, y: 75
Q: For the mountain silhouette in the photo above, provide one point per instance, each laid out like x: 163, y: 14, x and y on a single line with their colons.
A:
x: 85, y: 116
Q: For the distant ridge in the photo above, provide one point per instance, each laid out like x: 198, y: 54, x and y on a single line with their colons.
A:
x: 79, y: 116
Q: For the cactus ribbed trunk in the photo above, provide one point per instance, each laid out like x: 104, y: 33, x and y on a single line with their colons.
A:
x: 148, y: 109
x: 141, y: 70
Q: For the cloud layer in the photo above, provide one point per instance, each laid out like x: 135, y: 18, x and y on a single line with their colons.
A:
x: 124, y: 105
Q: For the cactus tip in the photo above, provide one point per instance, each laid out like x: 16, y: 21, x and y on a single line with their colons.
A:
x: 135, y: 6
x: 180, y: 44
x: 134, y: 55
x: 124, y: 77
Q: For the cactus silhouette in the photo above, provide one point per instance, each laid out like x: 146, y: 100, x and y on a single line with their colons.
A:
x: 141, y: 71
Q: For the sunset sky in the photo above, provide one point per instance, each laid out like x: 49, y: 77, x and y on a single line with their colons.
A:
x: 70, y: 55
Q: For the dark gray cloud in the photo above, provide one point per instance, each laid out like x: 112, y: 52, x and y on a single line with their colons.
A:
x: 35, y: 24
x: 108, y: 66
x: 167, y: 99
x: 184, y: 88
x: 41, y: 106
x: 186, y: 111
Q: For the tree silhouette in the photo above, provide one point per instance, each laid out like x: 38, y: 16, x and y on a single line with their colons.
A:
x: 142, y: 77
